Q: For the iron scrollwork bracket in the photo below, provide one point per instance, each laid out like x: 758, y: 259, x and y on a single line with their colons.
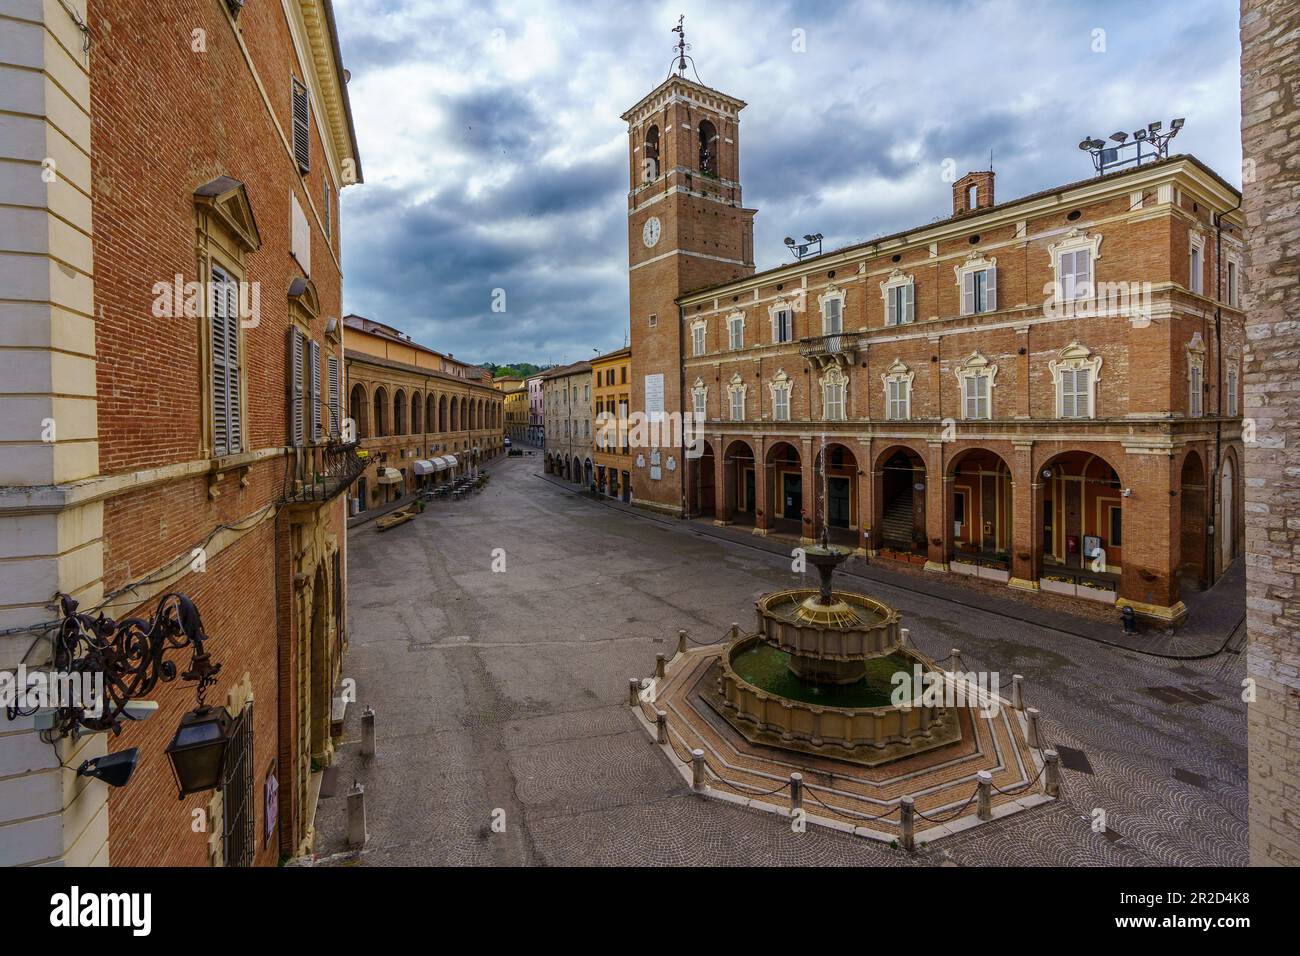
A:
x: 131, y: 657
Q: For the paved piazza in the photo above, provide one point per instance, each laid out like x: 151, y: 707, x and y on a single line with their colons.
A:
x: 507, y: 691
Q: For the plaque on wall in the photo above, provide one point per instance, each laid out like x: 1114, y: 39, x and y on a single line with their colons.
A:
x: 640, y: 461
x: 654, y: 397
x: 656, y: 473
x: 672, y: 463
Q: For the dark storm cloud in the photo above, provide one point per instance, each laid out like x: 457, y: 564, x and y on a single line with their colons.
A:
x: 496, y: 159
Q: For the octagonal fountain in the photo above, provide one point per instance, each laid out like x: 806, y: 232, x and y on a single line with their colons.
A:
x: 819, y: 674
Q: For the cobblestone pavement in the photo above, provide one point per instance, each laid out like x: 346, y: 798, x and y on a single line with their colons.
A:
x: 507, y: 691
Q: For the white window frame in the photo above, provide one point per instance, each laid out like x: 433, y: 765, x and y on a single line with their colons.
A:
x: 890, y: 293
x: 1069, y: 362
x: 700, y: 400
x: 736, y: 331
x: 736, y: 389
x: 1196, y: 265
x: 1065, y: 286
x: 774, y: 312
x: 835, y: 395
x: 1196, y: 377
x: 782, y: 390
x: 976, y: 367
x: 699, y: 336
x: 824, y: 300
x: 970, y: 304
x: 898, y: 377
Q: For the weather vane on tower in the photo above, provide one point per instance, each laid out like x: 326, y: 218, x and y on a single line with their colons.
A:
x: 679, y: 61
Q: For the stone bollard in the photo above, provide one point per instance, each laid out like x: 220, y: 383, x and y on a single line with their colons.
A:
x: 984, y: 805
x: 1051, y: 773
x: 681, y: 641
x: 661, y: 726
x: 1017, y: 692
x: 368, y: 731
x: 956, y: 660
x: 904, y: 636
x: 357, y: 834
x: 907, y: 814
x: 735, y: 630
x: 697, y: 767
x: 661, y: 663
x: 1032, y: 714
x: 633, y: 691
x: 796, y: 792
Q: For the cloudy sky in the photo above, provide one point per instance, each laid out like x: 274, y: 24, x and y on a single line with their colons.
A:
x: 495, y: 158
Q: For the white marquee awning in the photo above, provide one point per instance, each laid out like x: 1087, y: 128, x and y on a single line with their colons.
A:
x: 423, y: 467
x: 390, y: 476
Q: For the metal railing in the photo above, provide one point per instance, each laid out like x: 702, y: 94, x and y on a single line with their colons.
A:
x: 837, y: 343
x: 324, y: 471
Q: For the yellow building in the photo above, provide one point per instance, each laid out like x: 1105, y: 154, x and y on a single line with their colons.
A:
x: 514, y: 392
x: 610, y: 391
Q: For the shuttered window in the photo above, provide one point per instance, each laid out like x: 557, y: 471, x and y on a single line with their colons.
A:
x: 1076, y: 274
x: 1075, y: 384
x: 226, y: 425
x: 313, y: 375
x: 781, y: 403
x: 832, y: 316
x: 297, y: 361
x: 899, y: 400
x: 979, y: 291
x: 301, y: 127
x: 335, y: 385
x: 977, y: 396
x: 899, y: 304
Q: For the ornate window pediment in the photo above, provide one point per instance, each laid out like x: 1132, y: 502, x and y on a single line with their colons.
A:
x: 781, y: 387
x: 226, y: 199
x: 977, y: 284
x: 831, y: 303
x: 736, y: 329
x: 1196, y: 376
x: 834, y: 393
x: 1075, y: 374
x: 899, y: 294
x: 977, y: 377
x: 736, y: 391
x: 897, y: 380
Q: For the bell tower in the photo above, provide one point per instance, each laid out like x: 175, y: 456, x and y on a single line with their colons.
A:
x: 687, y: 229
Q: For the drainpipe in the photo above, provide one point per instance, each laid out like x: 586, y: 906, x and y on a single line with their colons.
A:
x: 1212, y: 491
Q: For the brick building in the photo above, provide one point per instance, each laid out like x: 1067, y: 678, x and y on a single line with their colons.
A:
x: 566, y: 395
x: 514, y: 396
x: 1043, y: 391
x: 1270, y: 67
x: 421, y: 417
x: 610, y: 401
x: 170, y: 247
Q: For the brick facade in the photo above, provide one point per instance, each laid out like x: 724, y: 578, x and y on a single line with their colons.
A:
x: 1270, y: 112
x: 1017, y: 485
x: 191, y: 170
x: 566, y: 397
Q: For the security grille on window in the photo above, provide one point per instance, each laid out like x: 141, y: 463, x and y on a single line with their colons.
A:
x: 1075, y: 274
x: 833, y: 316
x: 977, y: 396
x: 238, y: 808
x: 301, y: 127
x: 979, y: 291
x: 226, y: 425
x: 783, y: 326
x: 1075, y: 387
x: 899, y: 400
x: 899, y: 304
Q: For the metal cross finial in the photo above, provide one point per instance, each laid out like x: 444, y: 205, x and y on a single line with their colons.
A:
x: 682, y: 46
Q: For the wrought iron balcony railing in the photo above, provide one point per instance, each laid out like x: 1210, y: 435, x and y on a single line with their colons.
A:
x: 323, y: 472
x: 830, y: 346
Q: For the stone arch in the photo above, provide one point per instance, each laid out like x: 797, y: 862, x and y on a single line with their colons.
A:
x: 380, y: 405
x: 359, y: 409
x: 1192, y: 510
x: 399, y: 412
x: 900, y: 484
x: 979, y: 489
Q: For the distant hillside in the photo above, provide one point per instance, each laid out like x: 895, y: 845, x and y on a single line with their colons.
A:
x: 520, y: 369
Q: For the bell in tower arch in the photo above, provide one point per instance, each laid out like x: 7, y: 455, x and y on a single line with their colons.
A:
x: 708, y: 148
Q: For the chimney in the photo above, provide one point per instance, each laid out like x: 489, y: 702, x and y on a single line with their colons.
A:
x: 973, y: 191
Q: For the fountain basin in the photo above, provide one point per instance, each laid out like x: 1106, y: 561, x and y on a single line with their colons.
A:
x: 769, y: 710
x: 830, y: 642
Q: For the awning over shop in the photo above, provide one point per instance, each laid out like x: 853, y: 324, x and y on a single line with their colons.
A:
x: 390, y: 476
x: 422, y: 467
x: 451, y: 461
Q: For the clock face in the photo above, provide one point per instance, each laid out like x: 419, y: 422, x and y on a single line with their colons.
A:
x: 650, y: 232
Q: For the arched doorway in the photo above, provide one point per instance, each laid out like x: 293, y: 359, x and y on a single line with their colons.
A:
x: 703, y: 493
x: 901, y: 520
x: 837, y: 494
x: 1083, y: 514
x: 787, y: 499
x: 1227, y: 524
x: 738, y: 483
x: 576, y: 473
x: 981, y: 509
x: 586, y: 473
x: 1191, y: 494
